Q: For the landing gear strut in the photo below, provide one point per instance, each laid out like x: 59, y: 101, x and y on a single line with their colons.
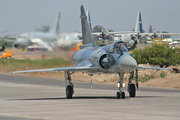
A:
x: 120, y: 84
x: 69, y: 85
x: 131, y: 86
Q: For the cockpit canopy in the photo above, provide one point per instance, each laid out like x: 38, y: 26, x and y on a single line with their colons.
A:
x: 118, y: 47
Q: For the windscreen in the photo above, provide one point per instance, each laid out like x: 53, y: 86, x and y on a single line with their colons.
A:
x: 119, y: 48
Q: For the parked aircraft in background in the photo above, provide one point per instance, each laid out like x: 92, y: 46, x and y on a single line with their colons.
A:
x: 169, y: 41
x: 172, y: 41
x: 68, y: 40
x: 131, y: 38
x: 46, y: 40
x: 90, y: 59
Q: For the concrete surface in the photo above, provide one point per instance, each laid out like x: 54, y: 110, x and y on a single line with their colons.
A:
x: 30, y: 98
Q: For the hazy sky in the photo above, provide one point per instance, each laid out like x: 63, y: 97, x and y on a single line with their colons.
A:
x: 21, y: 16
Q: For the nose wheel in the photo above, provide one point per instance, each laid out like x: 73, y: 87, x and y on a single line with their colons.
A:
x: 120, y: 84
x: 120, y: 95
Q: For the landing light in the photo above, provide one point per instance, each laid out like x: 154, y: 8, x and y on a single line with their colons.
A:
x: 123, y: 85
x: 119, y: 85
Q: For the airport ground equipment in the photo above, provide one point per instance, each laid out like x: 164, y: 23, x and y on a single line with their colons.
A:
x: 7, y: 54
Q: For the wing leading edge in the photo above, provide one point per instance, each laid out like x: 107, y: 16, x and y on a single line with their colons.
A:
x: 151, y: 68
x: 82, y: 68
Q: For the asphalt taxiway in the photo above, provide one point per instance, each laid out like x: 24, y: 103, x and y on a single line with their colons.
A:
x: 31, y: 98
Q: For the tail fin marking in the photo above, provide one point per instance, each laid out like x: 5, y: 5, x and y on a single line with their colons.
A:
x: 86, y: 31
x: 138, y: 27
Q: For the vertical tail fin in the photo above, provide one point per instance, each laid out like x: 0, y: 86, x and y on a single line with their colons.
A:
x: 55, y: 27
x: 86, y: 31
x: 89, y: 19
x: 138, y: 27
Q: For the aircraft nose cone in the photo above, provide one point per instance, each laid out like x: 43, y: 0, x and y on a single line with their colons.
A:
x: 127, y: 63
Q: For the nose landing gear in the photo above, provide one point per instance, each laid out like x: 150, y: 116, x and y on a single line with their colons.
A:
x: 120, y: 84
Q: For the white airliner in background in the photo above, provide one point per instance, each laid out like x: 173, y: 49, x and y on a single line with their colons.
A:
x: 47, y: 40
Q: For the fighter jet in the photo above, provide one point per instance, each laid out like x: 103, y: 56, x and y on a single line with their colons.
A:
x: 91, y: 59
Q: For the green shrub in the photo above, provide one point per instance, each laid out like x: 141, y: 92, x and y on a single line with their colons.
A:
x: 145, y: 78
x: 161, y: 55
x: 162, y: 75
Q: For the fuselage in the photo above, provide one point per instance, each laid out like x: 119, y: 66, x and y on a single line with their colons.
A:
x: 107, y: 59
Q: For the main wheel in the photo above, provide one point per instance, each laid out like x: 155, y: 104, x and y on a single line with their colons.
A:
x: 118, y: 95
x: 132, y: 90
x: 69, y: 92
x: 123, y: 95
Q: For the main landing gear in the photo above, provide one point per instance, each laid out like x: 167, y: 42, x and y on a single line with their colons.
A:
x: 131, y: 86
x: 69, y: 85
x: 119, y: 94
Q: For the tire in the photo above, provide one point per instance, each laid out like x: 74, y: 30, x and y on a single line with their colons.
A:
x: 132, y: 90
x: 69, y: 92
x: 118, y: 95
x: 123, y: 95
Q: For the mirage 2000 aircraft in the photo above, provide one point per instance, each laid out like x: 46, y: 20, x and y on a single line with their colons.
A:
x: 47, y: 40
x: 90, y: 59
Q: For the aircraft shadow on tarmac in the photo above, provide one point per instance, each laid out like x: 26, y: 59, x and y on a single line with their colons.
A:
x: 88, y: 97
